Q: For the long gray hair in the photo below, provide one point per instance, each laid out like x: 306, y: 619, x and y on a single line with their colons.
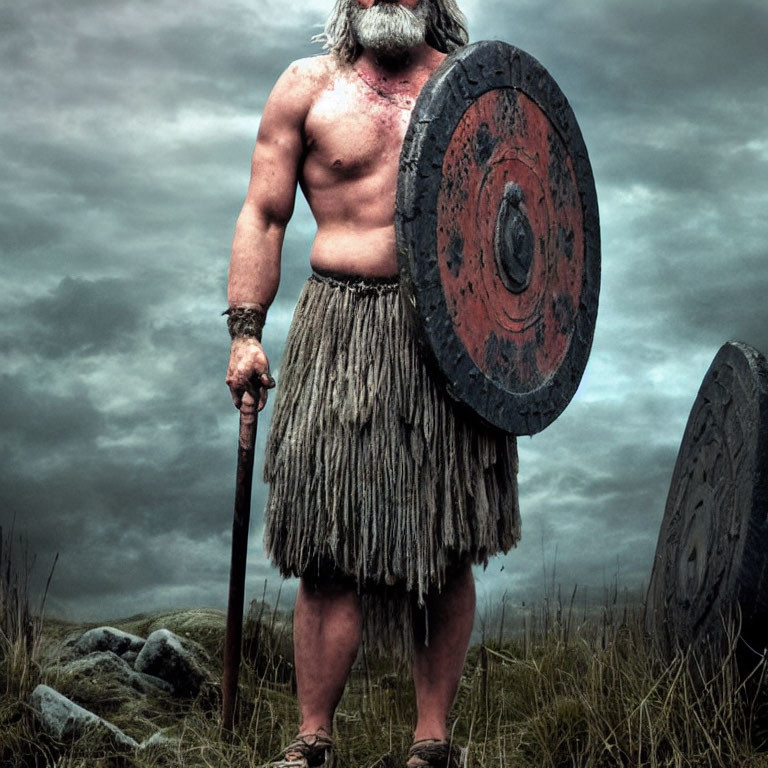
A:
x: 446, y: 29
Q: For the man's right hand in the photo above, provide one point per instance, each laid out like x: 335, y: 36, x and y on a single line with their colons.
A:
x: 248, y: 371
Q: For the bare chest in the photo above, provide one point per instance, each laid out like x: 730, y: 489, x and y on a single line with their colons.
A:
x: 355, y: 129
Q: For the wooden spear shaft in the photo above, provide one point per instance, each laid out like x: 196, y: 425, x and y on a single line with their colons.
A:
x: 235, y: 605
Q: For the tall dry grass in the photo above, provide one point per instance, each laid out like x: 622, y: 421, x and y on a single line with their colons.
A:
x: 21, y: 632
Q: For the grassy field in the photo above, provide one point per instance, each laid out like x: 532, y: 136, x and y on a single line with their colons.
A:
x: 556, y: 691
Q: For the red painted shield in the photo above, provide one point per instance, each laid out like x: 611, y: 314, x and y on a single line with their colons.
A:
x: 498, y: 236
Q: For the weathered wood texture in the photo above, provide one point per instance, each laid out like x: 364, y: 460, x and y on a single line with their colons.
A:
x: 498, y: 236
x: 240, y: 524
x: 712, y: 554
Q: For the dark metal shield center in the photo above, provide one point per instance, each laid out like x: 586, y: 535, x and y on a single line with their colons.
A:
x: 513, y: 241
x: 695, y: 545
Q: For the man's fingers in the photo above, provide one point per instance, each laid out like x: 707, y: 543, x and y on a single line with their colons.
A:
x: 255, y: 389
x: 258, y: 389
x: 256, y: 386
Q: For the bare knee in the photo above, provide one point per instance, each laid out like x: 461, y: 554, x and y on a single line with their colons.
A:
x: 329, y: 585
x: 456, y: 596
x: 458, y: 579
x: 331, y: 602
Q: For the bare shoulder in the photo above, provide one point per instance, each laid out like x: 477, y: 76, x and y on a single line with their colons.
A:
x: 305, y: 79
x: 315, y: 69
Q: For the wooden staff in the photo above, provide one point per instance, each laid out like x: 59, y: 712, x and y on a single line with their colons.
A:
x: 234, y: 636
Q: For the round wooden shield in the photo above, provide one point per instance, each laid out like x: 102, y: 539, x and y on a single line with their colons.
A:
x: 498, y: 235
x: 710, y: 572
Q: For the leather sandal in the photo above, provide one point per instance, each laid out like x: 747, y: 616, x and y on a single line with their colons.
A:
x: 434, y: 753
x: 312, y: 750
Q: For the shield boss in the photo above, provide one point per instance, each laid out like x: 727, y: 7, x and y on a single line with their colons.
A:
x: 498, y: 236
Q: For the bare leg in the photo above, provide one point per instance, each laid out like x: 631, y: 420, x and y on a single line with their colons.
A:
x: 437, y: 667
x: 327, y: 627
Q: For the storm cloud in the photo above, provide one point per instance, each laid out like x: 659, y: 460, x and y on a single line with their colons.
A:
x: 125, y: 144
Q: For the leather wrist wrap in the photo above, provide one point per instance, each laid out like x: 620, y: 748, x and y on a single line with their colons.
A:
x: 243, y: 321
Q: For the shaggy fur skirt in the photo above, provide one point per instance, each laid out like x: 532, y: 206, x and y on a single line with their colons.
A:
x: 374, y: 473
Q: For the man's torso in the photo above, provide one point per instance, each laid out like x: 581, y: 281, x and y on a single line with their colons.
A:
x: 353, y: 133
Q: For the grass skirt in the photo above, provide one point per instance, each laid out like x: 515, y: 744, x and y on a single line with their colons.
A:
x: 373, y: 472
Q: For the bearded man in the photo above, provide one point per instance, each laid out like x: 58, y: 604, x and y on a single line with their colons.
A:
x: 382, y: 492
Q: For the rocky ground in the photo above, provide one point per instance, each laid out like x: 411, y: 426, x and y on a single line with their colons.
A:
x: 106, y: 665
x: 128, y: 688
x: 145, y: 693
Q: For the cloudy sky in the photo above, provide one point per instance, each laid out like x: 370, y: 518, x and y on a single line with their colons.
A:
x: 125, y: 138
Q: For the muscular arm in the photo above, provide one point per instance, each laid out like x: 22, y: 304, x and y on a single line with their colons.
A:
x: 254, y: 269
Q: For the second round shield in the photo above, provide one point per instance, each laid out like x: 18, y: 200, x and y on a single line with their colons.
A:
x: 498, y: 236
x: 710, y: 572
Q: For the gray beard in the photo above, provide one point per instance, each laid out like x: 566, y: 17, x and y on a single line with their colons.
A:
x: 390, y: 29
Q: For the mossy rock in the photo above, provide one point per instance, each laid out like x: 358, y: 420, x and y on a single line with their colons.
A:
x: 203, y: 625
